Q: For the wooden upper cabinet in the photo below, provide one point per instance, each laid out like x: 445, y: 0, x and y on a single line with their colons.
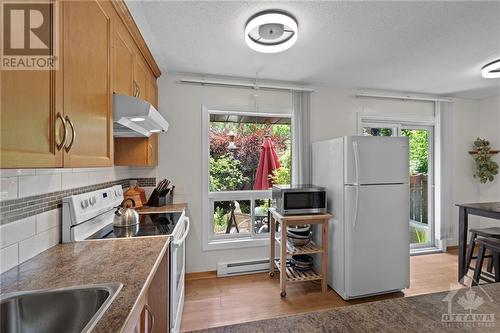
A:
x: 136, y: 151
x: 153, y: 91
x: 30, y: 128
x: 123, y: 61
x: 87, y: 83
x: 141, y: 77
x: 101, y: 51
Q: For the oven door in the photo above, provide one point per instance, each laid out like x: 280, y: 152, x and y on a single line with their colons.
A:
x: 177, y: 271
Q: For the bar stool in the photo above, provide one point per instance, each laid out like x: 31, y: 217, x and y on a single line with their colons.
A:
x: 493, y: 232
x: 493, y: 246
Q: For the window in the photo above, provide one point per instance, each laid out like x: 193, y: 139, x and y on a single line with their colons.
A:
x: 238, y: 196
x: 420, y: 135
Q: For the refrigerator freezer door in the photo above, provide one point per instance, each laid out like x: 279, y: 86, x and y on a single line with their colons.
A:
x: 376, y: 160
x: 377, y: 249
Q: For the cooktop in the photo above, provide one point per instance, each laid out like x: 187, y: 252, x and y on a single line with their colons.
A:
x: 149, y: 225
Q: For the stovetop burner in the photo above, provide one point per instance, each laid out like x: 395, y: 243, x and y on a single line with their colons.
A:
x: 149, y: 225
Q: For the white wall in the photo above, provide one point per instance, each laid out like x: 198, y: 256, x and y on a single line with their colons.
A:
x: 180, y: 153
x: 334, y: 113
x: 465, y: 187
x: 489, y: 128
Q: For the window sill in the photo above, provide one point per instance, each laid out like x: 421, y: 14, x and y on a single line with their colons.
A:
x: 235, y: 243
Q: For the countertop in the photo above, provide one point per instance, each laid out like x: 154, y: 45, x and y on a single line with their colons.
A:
x: 177, y: 207
x: 422, y: 313
x: 131, y: 261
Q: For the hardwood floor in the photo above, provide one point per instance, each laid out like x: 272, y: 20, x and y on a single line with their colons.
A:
x: 212, y: 301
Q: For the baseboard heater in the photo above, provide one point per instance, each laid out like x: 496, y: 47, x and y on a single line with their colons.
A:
x: 242, y: 267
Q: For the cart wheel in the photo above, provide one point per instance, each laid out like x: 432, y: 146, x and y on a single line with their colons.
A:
x: 271, y: 274
x: 283, y: 294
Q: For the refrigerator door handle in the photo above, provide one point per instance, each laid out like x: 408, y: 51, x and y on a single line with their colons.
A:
x: 356, y: 160
x: 356, y: 207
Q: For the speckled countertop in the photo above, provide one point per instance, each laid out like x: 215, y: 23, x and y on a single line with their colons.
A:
x: 130, y: 261
x: 424, y: 313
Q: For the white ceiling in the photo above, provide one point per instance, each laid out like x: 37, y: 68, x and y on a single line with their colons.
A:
x: 425, y: 47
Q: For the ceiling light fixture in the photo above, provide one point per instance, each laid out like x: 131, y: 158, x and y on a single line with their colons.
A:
x: 271, y: 32
x: 491, y: 70
x: 137, y: 119
x: 155, y: 131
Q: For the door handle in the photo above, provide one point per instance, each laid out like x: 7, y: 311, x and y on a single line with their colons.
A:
x: 73, y: 134
x: 356, y: 160
x: 183, y: 238
x: 151, y: 317
x: 63, y: 122
x: 134, y: 92
x: 356, y: 207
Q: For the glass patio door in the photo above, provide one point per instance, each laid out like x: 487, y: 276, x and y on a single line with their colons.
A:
x: 421, y: 224
x: 421, y: 185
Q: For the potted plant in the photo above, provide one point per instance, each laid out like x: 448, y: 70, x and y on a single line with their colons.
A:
x: 486, y: 168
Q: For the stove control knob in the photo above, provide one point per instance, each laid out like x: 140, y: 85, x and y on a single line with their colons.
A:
x: 85, y: 203
x: 93, y: 200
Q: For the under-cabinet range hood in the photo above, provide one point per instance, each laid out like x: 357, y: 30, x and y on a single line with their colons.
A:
x: 134, y: 117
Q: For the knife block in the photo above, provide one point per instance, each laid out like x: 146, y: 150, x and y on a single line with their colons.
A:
x: 161, y: 198
x: 158, y: 199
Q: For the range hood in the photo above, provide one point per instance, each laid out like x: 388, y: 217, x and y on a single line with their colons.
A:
x: 133, y: 117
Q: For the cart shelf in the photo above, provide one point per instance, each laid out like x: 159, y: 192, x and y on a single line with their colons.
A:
x: 292, y: 250
x: 295, y: 275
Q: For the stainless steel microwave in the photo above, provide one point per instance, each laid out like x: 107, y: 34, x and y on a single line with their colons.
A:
x: 299, y: 199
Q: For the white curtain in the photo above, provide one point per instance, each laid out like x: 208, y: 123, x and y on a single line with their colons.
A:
x: 445, y: 170
x: 301, y: 137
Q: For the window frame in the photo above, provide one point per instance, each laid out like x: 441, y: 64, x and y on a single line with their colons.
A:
x: 211, y: 241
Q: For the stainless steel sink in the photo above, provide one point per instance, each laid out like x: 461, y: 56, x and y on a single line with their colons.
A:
x: 72, y: 309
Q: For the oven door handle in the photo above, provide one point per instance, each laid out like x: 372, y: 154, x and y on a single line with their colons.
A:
x: 183, y: 238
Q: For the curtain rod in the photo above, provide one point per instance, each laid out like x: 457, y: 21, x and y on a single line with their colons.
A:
x: 243, y: 85
x: 407, y: 97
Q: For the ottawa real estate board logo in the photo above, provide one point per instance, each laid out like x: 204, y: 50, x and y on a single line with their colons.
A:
x: 30, y: 35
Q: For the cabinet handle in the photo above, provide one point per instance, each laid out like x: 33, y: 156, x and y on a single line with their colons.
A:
x: 135, y: 88
x: 150, y: 148
x: 138, y: 90
x: 151, y: 317
x: 73, y: 134
x: 63, y: 141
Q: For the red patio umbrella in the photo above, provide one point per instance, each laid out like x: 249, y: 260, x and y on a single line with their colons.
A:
x: 268, y: 161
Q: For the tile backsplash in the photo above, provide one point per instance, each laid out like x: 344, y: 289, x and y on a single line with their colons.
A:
x: 30, y: 201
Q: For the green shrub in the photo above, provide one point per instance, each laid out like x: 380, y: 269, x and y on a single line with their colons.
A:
x: 226, y: 174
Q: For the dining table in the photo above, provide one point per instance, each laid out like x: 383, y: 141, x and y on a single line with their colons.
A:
x: 483, y: 209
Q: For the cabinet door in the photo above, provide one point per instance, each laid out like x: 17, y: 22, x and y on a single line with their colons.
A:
x: 141, y: 77
x: 152, y: 91
x: 87, y: 82
x: 30, y: 129
x: 153, y: 150
x: 123, y: 61
x: 136, y: 151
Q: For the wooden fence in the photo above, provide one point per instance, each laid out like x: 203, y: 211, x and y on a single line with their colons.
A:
x: 418, y: 198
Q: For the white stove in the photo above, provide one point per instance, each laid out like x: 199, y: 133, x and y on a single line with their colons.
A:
x: 89, y: 216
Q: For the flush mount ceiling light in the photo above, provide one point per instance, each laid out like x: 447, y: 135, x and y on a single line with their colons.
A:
x: 491, y: 70
x: 271, y: 32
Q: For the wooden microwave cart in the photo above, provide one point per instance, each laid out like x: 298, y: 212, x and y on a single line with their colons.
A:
x: 289, y: 274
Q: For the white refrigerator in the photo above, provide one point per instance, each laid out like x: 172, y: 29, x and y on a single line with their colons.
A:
x: 367, y: 179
